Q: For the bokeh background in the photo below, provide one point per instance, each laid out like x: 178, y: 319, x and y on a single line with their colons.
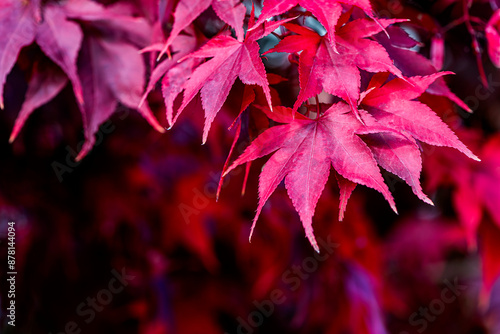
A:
x: 143, y: 203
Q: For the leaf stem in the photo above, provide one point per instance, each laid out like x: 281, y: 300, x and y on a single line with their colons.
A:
x: 317, y: 106
x: 475, y: 45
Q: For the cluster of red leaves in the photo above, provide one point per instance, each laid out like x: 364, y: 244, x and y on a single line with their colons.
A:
x: 385, y: 111
x: 371, y: 90
x: 94, y: 47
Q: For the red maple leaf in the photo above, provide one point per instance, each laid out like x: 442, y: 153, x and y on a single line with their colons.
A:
x: 95, y: 46
x: 18, y: 29
x: 230, y: 59
x: 393, y: 105
x: 230, y: 11
x: 58, y: 37
x: 110, y: 65
x: 46, y: 81
x: 321, y: 68
x: 327, y: 12
x: 305, y: 149
x: 175, y: 71
x: 399, y: 155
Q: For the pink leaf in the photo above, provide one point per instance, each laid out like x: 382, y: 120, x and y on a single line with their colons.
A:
x: 305, y: 149
x: 45, y: 83
x: 214, y: 78
x: 231, y: 11
x: 60, y: 40
x: 17, y: 30
x: 111, y: 72
x: 320, y: 68
x: 327, y: 12
x: 393, y: 106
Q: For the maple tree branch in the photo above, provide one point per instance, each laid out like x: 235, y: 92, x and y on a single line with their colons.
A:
x: 453, y: 24
x: 317, y: 106
x: 475, y: 45
x: 477, y: 20
x: 277, y: 35
x: 462, y: 20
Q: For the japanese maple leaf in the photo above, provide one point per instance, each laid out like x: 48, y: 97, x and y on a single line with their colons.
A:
x: 109, y: 64
x: 104, y: 41
x: 397, y: 154
x: 60, y: 39
x: 112, y: 71
x: 18, y: 29
x: 46, y: 81
x: 111, y: 22
x: 230, y: 11
x: 320, y: 68
x: 26, y: 22
x: 173, y: 82
x: 394, y: 105
x: 230, y: 59
x: 327, y: 12
x: 172, y: 71
x: 305, y: 149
